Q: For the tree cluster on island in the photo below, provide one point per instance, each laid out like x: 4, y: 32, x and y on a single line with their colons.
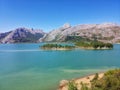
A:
x: 94, y: 44
x: 57, y: 46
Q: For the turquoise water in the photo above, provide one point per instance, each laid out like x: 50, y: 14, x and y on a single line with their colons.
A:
x: 26, y: 67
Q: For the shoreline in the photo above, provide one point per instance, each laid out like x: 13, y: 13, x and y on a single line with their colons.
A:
x: 57, y: 48
x: 85, y: 48
x: 91, y: 48
x: 84, y: 79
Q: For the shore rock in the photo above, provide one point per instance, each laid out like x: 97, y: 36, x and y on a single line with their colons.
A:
x: 62, y: 84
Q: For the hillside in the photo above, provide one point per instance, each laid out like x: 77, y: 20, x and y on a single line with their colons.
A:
x: 106, y: 32
x: 21, y: 35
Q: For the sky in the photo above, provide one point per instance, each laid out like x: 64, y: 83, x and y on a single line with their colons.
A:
x: 52, y: 14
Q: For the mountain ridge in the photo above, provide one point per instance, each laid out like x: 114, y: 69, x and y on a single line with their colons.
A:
x: 105, y: 32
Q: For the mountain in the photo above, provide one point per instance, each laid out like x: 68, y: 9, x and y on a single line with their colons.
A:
x: 21, y: 35
x: 106, y: 32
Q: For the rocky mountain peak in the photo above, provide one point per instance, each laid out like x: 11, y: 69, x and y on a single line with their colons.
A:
x: 33, y: 31
x: 66, y: 25
x: 21, y: 35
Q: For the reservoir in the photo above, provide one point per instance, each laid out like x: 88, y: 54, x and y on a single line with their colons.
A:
x: 27, y: 67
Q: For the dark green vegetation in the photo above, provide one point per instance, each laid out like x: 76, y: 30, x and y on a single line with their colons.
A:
x: 56, y: 46
x: 87, y: 43
x: 76, y: 39
x: 84, y: 86
x: 83, y: 44
x: 110, y: 81
x: 72, y: 86
x: 94, y: 44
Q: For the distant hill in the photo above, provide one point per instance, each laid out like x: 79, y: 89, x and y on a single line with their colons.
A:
x: 21, y: 35
x: 106, y: 32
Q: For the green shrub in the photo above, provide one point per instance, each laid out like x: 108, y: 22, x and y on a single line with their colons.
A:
x: 84, y: 86
x: 110, y: 81
x: 72, y: 86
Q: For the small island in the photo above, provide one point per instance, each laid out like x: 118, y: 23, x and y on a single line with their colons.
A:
x: 93, y: 45
x: 57, y: 47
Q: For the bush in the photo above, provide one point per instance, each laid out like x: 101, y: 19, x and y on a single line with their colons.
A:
x: 94, y: 44
x: 72, y: 86
x: 84, y: 86
x: 110, y: 81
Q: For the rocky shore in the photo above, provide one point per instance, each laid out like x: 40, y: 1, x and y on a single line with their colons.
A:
x: 85, y: 80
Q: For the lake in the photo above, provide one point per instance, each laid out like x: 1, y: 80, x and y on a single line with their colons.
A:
x: 27, y: 67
